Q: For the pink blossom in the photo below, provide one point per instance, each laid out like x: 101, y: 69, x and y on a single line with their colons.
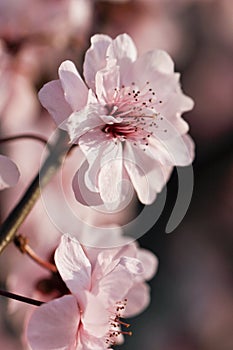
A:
x: 104, y: 287
x: 126, y: 119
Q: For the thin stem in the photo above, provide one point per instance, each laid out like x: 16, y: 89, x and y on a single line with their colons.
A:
x: 22, y: 209
x: 24, y: 136
x: 21, y: 242
x: 21, y: 298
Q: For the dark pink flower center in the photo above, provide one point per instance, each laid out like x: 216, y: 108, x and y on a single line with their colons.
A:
x: 121, y: 130
x: 135, y: 114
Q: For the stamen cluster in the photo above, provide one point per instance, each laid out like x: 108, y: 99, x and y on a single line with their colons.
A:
x: 116, y: 323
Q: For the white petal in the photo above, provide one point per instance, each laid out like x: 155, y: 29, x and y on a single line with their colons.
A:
x: 172, y: 107
x: 52, y: 98
x: 122, y: 49
x: 95, y: 316
x: 110, y: 179
x: 109, y: 119
x: 180, y: 150
x: 86, y: 341
x: 149, y: 262
x: 156, y: 61
x: 82, y: 121
x: 96, y: 146
x: 76, y: 92
x: 54, y: 325
x: 108, y: 289
x: 107, y: 80
x: 170, y: 125
x: 162, y: 83
x: 133, y: 265
x: 73, y: 265
x: 138, y: 299
x: 148, y: 176
x: 95, y: 58
x: 161, y: 61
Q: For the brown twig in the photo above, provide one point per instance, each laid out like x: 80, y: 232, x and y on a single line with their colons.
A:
x: 21, y: 298
x: 21, y: 242
x: 17, y: 216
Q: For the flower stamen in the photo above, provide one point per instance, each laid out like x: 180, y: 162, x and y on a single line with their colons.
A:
x: 115, y: 323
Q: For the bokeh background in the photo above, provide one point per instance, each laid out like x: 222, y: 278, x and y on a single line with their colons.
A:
x: 192, y: 296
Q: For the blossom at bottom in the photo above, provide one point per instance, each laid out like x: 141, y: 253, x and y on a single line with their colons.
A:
x: 105, y: 285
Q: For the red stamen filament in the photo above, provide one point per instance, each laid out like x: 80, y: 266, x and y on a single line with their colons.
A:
x: 127, y: 325
x: 125, y: 333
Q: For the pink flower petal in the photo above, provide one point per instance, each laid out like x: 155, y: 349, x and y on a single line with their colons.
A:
x: 107, y: 80
x: 95, y: 317
x: 161, y: 61
x: 175, y: 105
x: 122, y: 49
x: 52, y: 98
x: 106, y: 262
x: 162, y: 83
x: 73, y: 265
x: 9, y: 173
x: 156, y: 60
x: 157, y: 150
x: 138, y: 299
x: 141, y: 183
x: 129, y: 250
x: 86, y: 341
x: 168, y: 128
x: 176, y: 150
x: 95, y: 58
x: 75, y: 90
x: 106, y: 286
x: 149, y: 262
x: 133, y: 265
x: 109, y: 289
x: 148, y: 177
x: 54, y: 325
x: 82, y: 121
x: 109, y: 119
x: 180, y: 150
x: 170, y: 115
x: 110, y: 178
x: 97, y: 149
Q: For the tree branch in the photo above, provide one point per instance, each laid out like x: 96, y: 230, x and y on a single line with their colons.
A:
x: 22, y: 209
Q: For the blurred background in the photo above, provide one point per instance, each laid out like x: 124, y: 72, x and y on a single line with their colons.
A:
x: 192, y: 298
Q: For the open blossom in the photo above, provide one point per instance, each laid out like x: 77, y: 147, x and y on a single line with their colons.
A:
x: 104, y: 288
x: 126, y: 119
